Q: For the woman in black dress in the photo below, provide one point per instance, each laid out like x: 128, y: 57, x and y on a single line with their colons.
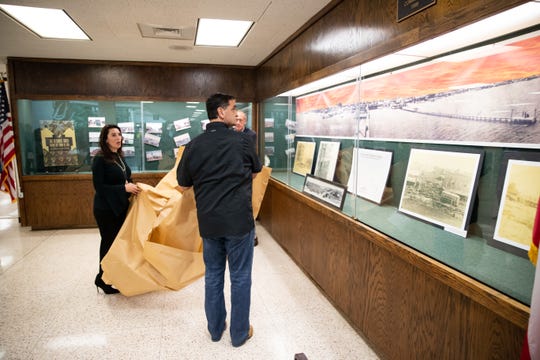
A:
x: 112, y: 181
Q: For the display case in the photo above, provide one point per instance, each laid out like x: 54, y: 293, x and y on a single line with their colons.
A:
x: 61, y: 136
x: 440, y: 153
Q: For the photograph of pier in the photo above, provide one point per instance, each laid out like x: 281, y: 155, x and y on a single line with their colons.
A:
x: 487, y: 95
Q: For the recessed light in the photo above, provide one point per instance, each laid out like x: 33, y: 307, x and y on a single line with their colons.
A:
x: 46, y: 23
x: 217, y: 32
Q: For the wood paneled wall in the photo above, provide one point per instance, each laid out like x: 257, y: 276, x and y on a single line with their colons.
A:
x: 65, y: 201
x: 405, y: 304
x: 356, y: 31
x: 47, y: 78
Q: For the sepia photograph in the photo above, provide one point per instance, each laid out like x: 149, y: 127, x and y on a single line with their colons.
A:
x: 326, y: 191
x: 303, y: 161
x: 327, y: 159
x: 519, y: 199
x: 369, y: 173
x: 439, y: 187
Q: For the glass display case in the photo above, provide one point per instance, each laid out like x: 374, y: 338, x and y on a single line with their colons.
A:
x: 440, y: 153
x: 61, y: 136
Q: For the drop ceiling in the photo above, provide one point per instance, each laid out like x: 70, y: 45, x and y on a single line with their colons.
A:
x: 115, y: 29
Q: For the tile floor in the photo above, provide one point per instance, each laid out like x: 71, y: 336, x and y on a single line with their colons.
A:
x: 49, y: 308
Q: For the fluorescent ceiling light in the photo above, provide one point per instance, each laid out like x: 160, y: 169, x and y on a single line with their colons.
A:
x: 46, y: 23
x: 216, y: 32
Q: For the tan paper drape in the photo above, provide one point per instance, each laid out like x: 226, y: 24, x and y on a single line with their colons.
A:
x: 159, y: 246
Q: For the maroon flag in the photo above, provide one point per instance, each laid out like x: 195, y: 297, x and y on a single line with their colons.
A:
x: 7, y: 147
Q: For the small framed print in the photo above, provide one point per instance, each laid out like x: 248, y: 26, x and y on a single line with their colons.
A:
x: 303, y: 161
x: 326, y: 191
x: 517, y: 209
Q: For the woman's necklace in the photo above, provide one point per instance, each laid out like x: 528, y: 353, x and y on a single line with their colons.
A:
x: 121, y: 165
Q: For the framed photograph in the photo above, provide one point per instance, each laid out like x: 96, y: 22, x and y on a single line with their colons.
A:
x: 439, y: 187
x: 519, y: 199
x: 303, y: 161
x: 268, y: 122
x: 93, y: 136
x: 96, y: 122
x: 327, y: 159
x: 127, y: 127
x: 154, y: 155
x: 154, y: 127
x: 181, y: 124
x: 129, y: 151
x: 182, y: 139
x: 129, y: 139
x: 268, y: 137
x: 326, y: 191
x: 151, y: 139
x: 369, y: 173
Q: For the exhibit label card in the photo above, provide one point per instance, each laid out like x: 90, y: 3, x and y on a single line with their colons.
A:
x: 369, y: 173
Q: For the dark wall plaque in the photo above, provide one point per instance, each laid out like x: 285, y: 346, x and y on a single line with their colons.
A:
x: 406, y: 8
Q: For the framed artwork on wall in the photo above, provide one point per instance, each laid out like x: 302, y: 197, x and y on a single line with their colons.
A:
x: 519, y: 200
x: 439, y: 187
x: 303, y: 161
x: 327, y: 159
x: 326, y: 191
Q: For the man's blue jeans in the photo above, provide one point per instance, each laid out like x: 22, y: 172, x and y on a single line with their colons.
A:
x: 239, y: 252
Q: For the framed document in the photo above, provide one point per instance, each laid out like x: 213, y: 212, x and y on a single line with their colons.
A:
x: 327, y: 159
x: 326, y: 191
x: 519, y: 199
x: 303, y: 161
x: 439, y: 187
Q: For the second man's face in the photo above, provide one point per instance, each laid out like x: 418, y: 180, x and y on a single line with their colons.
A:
x: 229, y: 114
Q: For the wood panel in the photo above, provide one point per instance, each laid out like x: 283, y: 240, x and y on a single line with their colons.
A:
x: 405, y: 304
x: 65, y: 201
x: 127, y: 80
x: 356, y: 31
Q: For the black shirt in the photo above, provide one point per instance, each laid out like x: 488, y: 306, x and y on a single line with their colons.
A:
x: 109, y: 182
x: 219, y: 164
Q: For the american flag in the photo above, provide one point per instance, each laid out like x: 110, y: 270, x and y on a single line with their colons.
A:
x: 7, y: 147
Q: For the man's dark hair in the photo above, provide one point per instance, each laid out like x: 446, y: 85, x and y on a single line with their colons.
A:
x: 217, y: 101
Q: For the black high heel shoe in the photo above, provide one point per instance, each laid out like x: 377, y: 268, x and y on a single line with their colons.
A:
x: 106, y: 288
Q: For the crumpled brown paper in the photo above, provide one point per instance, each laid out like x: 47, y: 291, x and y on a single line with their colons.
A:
x: 159, y: 246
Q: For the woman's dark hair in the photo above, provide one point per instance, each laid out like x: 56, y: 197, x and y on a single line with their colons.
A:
x: 105, y: 150
x: 217, y: 101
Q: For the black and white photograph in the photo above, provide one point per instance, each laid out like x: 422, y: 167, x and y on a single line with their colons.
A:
x: 182, y: 139
x: 96, y: 122
x: 268, y: 137
x: 154, y: 127
x: 268, y: 122
x: 369, y: 173
x: 439, y: 187
x: 269, y: 150
x: 93, y: 136
x: 129, y: 138
x: 326, y: 191
x: 327, y: 159
x: 181, y: 124
x: 151, y: 139
x: 154, y: 155
x: 127, y: 127
x: 129, y: 151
